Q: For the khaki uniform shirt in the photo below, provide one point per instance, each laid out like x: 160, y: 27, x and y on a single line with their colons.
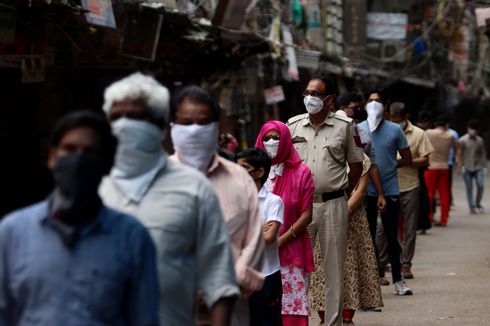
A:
x: 326, y: 150
x: 408, y: 176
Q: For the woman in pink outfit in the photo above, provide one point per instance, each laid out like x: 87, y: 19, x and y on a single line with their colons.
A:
x: 293, y: 182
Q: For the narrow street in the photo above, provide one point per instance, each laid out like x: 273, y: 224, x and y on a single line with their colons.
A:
x: 452, y: 274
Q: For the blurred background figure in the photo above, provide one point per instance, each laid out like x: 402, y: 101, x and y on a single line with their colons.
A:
x: 437, y: 175
x: 473, y: 160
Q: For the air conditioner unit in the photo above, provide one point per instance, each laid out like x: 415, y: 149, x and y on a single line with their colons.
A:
x: 393, y: 51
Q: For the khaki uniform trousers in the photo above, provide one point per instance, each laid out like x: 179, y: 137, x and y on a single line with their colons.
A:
x: 330, y: 221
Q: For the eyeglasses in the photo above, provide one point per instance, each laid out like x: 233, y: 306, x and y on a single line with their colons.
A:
x: 314, y: 94
x: 275, y: 137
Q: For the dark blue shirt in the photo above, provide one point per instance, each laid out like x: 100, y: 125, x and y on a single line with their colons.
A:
x: 107, y: 277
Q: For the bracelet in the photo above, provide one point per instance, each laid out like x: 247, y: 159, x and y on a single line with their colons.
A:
x: 292, y: 231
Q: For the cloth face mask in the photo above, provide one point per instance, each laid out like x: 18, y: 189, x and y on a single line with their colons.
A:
x: 77, y: 178
x: 195, y: 144
x: 403, y: 124
x: 374, y: 114
x: 139, y: 149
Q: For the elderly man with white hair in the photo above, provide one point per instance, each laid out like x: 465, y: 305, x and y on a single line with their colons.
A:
x: 176, y: 204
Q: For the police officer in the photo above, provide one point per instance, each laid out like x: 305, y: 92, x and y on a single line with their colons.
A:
x: 326, y: 142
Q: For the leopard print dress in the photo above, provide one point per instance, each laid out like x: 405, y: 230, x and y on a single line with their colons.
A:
x: 361, y: 281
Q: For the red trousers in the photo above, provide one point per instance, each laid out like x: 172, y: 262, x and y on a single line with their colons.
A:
x: 438, y: 179
x: 294, y: 320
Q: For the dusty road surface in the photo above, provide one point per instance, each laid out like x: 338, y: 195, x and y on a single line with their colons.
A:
x: 452, y: 274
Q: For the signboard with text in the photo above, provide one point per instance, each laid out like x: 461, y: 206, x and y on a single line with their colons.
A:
x: 274, y: 95
x: 387, y: 26
x: 354, y: 26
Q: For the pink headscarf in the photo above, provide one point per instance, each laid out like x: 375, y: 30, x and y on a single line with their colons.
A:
x: 295, y: 187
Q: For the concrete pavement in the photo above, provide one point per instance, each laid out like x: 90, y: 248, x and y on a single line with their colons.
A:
x: 452, y: 274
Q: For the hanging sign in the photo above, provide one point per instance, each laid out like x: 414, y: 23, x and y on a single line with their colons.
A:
x: 8, y: 19
x: 387, y: 26
x: 100, y: 13
x: 274, y: 95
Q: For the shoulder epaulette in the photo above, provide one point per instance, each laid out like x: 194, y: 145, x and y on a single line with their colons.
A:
x: 296, y: 118
x: 341, y: 117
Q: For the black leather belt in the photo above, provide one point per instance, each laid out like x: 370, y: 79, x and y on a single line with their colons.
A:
x: 332, y: 195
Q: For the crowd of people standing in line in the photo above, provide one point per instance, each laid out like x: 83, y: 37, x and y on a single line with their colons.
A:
x: 305, y: 221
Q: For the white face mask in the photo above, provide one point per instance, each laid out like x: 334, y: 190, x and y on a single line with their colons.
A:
x: 313, y: 104
x: 271, y: 147
x: 195, y: 144
x: 403, y: 124
x: 139, y: 149
x: 375, y: 114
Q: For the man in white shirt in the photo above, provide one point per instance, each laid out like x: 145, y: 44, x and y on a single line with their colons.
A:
x: 175, y: 203
x: 265, y: 305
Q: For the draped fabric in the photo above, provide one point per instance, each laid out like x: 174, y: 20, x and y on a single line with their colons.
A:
x: 295, y: 187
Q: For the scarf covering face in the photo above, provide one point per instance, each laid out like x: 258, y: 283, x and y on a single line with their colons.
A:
x: 295, y: 187
x: 375, y: 112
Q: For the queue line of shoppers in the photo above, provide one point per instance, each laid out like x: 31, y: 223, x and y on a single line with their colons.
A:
x: 204, y: 240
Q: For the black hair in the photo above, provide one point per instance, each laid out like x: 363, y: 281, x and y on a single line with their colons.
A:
x: 257, y: 158
x: 380, y: 90
x: 330, y: 85
x: 473, y: 124
x: 96, y: 122
x: 344, y: 99
x: 441, y: 120
x: 199, y: 95
x: 398, y: 108
x: 425, y: 116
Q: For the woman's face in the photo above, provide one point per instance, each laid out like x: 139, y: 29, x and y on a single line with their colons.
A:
x: 271, y: 143
x: 272, y: 134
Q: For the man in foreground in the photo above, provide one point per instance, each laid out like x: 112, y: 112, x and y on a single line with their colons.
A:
x: 70, y: 260
x: 175, y: 203
x: 194, y: 134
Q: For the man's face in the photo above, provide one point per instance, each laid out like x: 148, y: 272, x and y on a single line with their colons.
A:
x: 189, y: 113
x: 243, y: 163
x: 351, y: 109
x: 136, y: 110
x: 79, y: 140
x: 423, y: 125
x: 374, y: 97
x: 316, y: 88
x: 397, y: 118
x: 256, y: 174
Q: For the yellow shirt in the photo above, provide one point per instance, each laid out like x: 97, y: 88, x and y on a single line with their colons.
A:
x: 408, y: 178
